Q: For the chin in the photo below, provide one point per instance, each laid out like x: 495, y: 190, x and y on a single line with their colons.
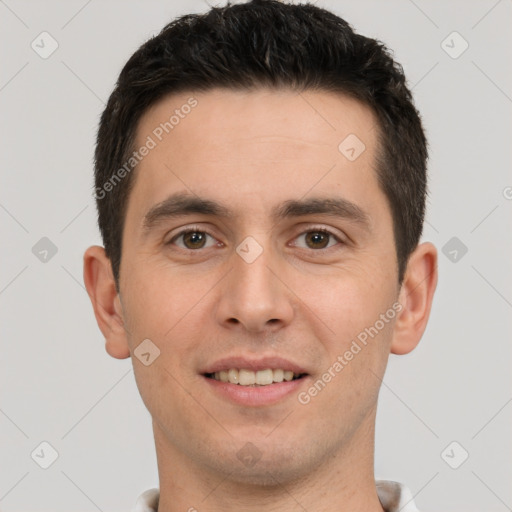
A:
x: 268, y: 474
x: 265, y: 465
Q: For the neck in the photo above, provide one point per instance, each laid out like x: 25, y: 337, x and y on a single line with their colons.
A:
x: 340, y: 482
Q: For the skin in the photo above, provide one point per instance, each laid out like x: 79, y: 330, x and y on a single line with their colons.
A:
x: 298, y: 300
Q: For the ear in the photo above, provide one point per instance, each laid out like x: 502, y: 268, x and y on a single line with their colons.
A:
x: 416, y: 296
x: 100, y: 285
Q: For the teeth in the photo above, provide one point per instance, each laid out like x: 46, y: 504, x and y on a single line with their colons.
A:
x: 233, y: 376
x: 264, y: 377
x: 245, y: 377
x: 278, y: 375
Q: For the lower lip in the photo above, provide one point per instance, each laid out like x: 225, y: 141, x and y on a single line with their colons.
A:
x: 256, y: 395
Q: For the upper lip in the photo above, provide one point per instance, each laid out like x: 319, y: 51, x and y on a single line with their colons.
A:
x: 264, y: 363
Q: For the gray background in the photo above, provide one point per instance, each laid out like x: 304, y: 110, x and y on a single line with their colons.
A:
x: 58, y: 384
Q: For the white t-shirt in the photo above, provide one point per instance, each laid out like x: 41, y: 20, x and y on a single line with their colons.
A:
x: 394, y: 497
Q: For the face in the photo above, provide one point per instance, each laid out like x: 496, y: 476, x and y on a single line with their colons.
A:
x: 270, y: 277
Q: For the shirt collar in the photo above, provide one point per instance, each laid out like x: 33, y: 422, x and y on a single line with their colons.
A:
x: 394, y: 497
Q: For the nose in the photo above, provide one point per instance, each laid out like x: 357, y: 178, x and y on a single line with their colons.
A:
x: 254, y: 294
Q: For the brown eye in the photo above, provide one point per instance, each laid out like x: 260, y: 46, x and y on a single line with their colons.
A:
x: 318, y: 239
x: 191, y: 239
x: 194, y: 239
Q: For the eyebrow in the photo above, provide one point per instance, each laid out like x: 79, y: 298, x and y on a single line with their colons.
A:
x: 181, y: 204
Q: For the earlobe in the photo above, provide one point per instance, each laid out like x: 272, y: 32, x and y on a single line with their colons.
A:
x: 416, y: 297
x: 100, y: 285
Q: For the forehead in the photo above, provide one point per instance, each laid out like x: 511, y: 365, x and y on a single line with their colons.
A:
x: 255, y: 148
x: 220, y: 116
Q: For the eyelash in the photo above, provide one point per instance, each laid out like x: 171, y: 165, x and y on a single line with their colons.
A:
x: 197, y: 229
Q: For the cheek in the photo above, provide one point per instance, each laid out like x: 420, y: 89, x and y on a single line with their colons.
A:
x: 162, y: 307
x: 346, y: 302
x: 354, y: 336
x: 166, y: 398
x: 348, y: 385
x: 170, y: 310
x: 159, y: 299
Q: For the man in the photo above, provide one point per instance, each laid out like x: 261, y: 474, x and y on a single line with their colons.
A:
x: 261, y: 181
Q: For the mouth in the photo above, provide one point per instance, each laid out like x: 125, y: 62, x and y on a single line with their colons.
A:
x: 259, y: 378
x: 249, y: 382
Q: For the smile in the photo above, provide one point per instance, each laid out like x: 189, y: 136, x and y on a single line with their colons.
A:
x: 245, y: 377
